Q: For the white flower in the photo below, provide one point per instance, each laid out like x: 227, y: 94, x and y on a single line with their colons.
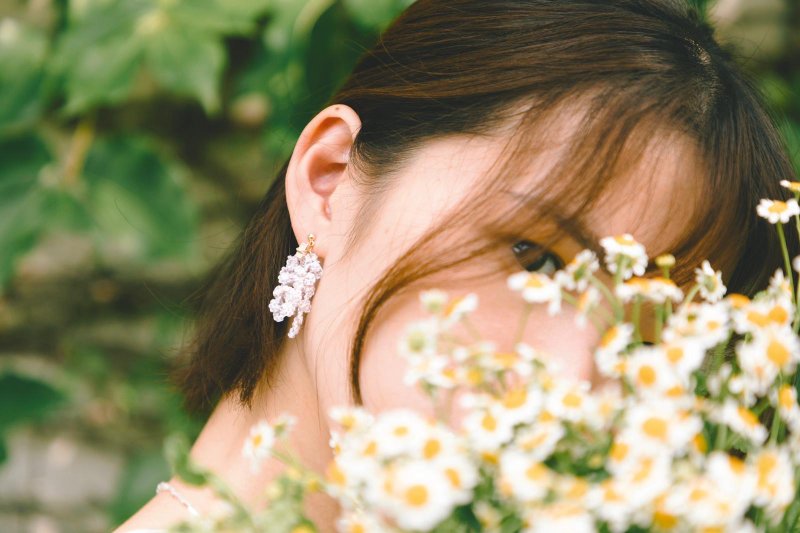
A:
x: 520, y: 403
x: 775, y: 485
x: 570, y: 400
x: 351, y: 419
x: 796, y: 263
x: 458, y: 308
x: 559, y: 516
x: 258, y: 444
x: 742, y: 420
x: 487, y: 429
x: 587, y: 302
x: 416, y: 495
x: 752, y: 316
x: 612, y: 344
x: 734, y: 482
x: 420, y: 338
x: 539, y: 440
x: 657, y: 289
x: 785, y: 399
x: 523, y: 477
x: 575, y: 276
x: 793, y: 186
x: 433, y: 300
x: 706, y: 324
x: 624, y: 248
x: 772, y: 349
x: 777, y: 210
x: 650, y: 372
x: 662, y: 424
x: 710, y: 282
x: 399, y: 432
x: 537, y: 288
x: 684, y: 356
x: 357, y: 521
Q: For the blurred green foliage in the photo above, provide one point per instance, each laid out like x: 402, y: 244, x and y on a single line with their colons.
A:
x: 146, y: 131
x: 140, y: 129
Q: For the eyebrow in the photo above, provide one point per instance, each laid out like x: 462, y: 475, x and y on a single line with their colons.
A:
x: 579, y: 232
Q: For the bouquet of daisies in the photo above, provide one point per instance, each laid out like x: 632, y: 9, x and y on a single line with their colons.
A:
x: 696, y: 431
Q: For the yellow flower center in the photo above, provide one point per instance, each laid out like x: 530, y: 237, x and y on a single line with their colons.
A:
x: 647, y: 375
x: 416, y: 495
x: 515, y: 398
x: 777, y: 353
x: 489, y: 423
x: 777, y: 207
x: 747, y: 416
x: 431, y: 449
x: 655, y: 427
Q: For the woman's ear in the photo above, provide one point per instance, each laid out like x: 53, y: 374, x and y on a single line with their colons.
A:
x: 317, y: 167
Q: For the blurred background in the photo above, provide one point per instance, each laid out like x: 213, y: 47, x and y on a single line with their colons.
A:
x: 136, y: 137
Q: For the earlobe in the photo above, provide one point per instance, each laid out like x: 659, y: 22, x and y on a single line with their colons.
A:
x: 317, y: 167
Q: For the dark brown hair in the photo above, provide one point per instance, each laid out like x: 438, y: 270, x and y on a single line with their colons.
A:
x: 639, y: 71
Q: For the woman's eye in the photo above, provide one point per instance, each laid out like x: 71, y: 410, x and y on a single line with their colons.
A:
x: 534, y: 258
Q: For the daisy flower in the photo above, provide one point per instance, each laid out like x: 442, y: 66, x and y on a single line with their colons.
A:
x: 613, y: 342
x: 433, y: 300
x: 537, y: 288
x: 416, y: 495
x: 539, y: 440
x: 785, y: 399
x: 587, y: 301
x: 575, y: 275
x: 487, y: 429
x: 778, y: 210
x: 657, y: 289
x: 793, y: 186
x: 742, y: 420
x: 624, y: 246
x: 522, y: 477
x: 559, y: 516
x: 710, y: 282
x: 260, y: 441
x: 775, y: 479
x: 459, y: 307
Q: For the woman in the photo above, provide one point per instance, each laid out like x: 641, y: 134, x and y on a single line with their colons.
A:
x: 475, y: 139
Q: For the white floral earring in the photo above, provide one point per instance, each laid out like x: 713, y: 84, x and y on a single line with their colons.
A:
x: 297, y: 280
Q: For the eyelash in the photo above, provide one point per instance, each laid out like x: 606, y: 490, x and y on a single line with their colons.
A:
x: 541, y: 257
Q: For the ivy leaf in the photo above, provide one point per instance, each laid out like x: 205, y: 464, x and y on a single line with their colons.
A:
x: 22, y: 54
x: 188, y: 63
x: 375, y: 14
x: 25, y: 399
x: 22, y: 202
x: 99, y: 55
x: 138, y: 201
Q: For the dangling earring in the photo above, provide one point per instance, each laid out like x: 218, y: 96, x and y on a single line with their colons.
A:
x: 297, y: 280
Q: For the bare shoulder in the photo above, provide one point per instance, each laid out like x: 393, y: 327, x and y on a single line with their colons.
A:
x: 156, y: 515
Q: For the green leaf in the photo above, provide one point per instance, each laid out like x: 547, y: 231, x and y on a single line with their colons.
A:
x: 220, y: 17
x: 98, y: 56
x: 188, y: 63
x: 22, y: 54
x: 22, y: 200
x: 138, y: 201
x: 375, y: 14
x: 25, y: 399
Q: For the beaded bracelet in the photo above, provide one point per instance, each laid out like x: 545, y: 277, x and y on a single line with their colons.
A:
x: 163, y: 485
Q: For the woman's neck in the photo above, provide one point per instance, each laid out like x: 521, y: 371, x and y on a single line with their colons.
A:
x: 219, y: 445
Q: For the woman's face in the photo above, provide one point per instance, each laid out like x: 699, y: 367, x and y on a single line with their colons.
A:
x: 323, y: 200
